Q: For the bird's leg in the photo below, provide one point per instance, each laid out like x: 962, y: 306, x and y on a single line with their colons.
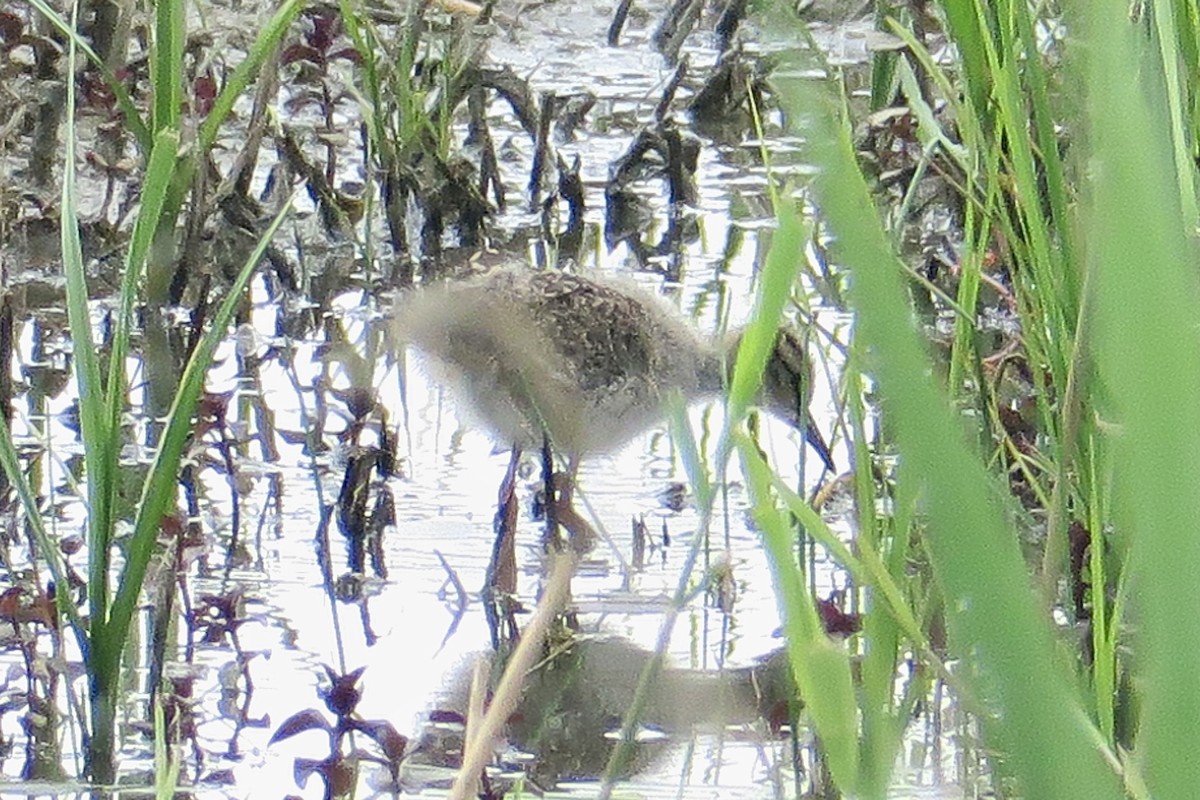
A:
x: 583, y: 535
x: 552, y: 538
x: 501, y: 583
x: 558, y: 491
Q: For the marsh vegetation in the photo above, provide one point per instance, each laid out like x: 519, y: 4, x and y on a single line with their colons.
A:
x: 247, y: 547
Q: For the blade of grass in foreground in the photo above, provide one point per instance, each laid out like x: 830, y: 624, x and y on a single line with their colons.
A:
x: 101, y: 405
x: 1148, y: 353
x: 268, y: 38
x: 94, y: 430
x: 820, y: 665
x: 166, y: 64
x: 158, y: 491
x: 994, y: 621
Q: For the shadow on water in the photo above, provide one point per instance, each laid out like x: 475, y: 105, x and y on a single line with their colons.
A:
x: 574, y: 701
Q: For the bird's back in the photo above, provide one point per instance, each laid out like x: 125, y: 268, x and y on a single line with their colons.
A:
x: 589, y: 362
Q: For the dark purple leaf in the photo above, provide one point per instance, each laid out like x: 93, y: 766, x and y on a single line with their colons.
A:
x: 307, y: 720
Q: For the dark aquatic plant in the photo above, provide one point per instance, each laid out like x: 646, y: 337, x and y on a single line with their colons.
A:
x: 338, y: 769
x: 167, y: 73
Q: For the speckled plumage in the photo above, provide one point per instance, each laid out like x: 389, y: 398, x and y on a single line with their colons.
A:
x: 590, y: 362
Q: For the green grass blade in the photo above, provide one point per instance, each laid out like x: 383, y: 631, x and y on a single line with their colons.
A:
x: 159, y: 172
x: 1046, y: 134
x: 99, y: 447
x: 774, y: 289
x: 690, y: 453
x: 1168, y: 40
x: 867, y: 569
x: 1149, y: 352
x: 994, y: 622
x: 167, y: 761
x: 166, y: 64
x: 821, y: 666
x: 365, y: 38
x: 885, y: 715
x: 159, y: 489
x: 963, y: 23
x: 268, y: 38
x: 10, y: 462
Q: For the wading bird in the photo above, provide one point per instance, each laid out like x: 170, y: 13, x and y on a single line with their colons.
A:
x: 583, y: 363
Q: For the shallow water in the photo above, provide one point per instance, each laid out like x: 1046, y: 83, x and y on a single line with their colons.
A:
x: 451, y: 472
x: 445, y: 506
